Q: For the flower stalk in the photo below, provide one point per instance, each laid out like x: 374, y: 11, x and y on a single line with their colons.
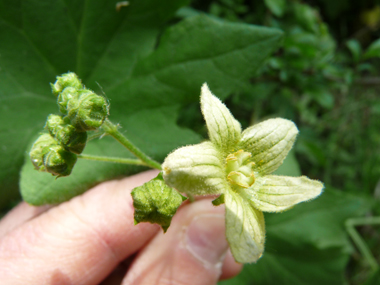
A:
x: 112, y: 159
x: 112, y: 130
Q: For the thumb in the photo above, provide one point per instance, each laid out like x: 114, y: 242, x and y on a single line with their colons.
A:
x: 191, y: 252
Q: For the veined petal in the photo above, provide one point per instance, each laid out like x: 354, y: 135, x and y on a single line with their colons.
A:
x: 245, y: 228
x: 195, y: 169
x: 274, y: 193
x: 269, y: 143
x: 223, y: 129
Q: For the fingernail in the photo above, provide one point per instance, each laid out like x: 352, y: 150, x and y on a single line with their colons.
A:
x: 205, y: 238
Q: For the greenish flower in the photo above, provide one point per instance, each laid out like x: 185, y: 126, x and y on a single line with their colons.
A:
x: 238, y: 165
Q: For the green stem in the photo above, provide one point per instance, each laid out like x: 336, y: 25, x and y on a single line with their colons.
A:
x: 359, y: 242
x: 113, y: 131
x: 95, y: 135
x: 112, y: 159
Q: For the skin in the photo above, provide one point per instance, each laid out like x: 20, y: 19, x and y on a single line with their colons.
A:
x: 91, y: 239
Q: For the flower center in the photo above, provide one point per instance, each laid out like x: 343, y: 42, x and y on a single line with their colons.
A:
x: 239, y: 169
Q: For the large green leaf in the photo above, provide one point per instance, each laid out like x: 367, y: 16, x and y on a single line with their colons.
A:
x: 42, y: 39
x: 117, y: 49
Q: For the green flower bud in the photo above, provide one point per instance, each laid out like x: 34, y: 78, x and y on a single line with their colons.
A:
x: 156, y: 202
x: 88, y: 111
x: 65, y: 96
x: 66, y: 134
x: 59, y: 161
x: 39, y: 148
x: 69, y: 79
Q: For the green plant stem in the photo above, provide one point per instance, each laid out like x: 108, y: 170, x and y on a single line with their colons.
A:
x: 113, y: 131
x: 95, y: 135
x: 112, y: 159
x: 359, y: 242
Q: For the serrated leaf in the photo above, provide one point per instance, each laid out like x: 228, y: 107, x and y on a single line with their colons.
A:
x: 117, y: 50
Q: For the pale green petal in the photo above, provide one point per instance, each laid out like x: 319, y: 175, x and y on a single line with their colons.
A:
x: 223, y: 129
x: 195, y: 169
x: 274, y: 193
x: 269, y: 143
x: 245, y: 228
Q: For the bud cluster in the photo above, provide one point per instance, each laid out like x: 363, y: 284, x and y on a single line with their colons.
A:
x: 82, y: 110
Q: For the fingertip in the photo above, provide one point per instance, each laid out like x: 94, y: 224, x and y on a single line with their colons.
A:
x: 230, y: 268
x: 85, y: 237
x: 20, y: 214
x: 191, y: 252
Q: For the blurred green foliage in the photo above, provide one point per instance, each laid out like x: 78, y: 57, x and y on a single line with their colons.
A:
x: 325, y: 77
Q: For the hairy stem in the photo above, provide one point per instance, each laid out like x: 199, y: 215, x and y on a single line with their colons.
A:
x: 113, y: 131
x: 112, y: 159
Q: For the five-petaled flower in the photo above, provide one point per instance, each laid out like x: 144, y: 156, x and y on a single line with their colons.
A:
x: 238, y: 165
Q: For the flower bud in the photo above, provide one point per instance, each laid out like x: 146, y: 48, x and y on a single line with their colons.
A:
x: 69, y: 93
x: 69, y: 79
x: 39, y: 148
x: 156, y: 203
x: 66, y: 134
x: 59, y: 161
x: 88, y: 111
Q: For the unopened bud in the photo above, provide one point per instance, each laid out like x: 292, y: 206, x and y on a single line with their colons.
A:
x: 69, y: 93
x: 66, y: 134
x: 69, y: 79
x: 156, y: 202
x: 88, y: 111
x: 39, y: 148
x: 59, y: 161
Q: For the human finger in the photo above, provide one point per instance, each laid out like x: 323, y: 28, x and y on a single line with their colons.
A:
x: 191, y: 252
x: 78, y: 242
x: 20, y: 214
x: 230, y: 267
